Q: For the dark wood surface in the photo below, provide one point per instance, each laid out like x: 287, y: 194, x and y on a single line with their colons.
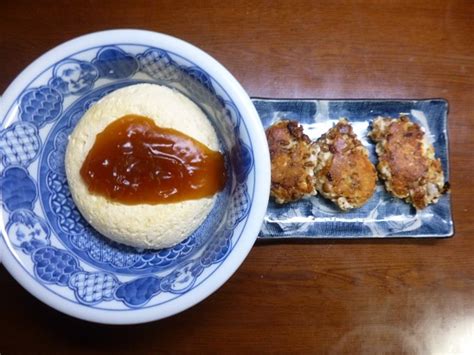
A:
x: 413, y: 296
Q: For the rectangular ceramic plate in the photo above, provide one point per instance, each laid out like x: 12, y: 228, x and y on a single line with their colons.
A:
x: 383, y: 215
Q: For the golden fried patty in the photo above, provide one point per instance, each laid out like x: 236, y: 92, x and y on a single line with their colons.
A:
x: 293, y: 159
x: 407, y: 162
x: 344, y: 173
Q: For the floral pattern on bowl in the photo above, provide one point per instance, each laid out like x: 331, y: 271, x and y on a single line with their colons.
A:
x: 44, y: 231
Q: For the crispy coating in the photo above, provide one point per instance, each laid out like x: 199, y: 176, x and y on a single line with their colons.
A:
x: 293, y: 159
x: 344, y: 173
x: 407, y: 162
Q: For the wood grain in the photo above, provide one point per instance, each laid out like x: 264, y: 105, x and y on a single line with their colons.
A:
x: 372, y: 296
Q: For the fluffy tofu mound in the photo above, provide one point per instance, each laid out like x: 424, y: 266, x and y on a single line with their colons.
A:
x: 407, y: 162
x: 293, y: 158
x: 142, y: 225
x: 344, y: 173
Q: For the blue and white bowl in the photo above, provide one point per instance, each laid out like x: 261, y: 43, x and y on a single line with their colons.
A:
x: 47, y: 245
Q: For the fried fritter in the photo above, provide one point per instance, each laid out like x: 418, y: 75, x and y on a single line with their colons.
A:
x: 344, y: 173
x: 293, y: 159
x: 407, y: 161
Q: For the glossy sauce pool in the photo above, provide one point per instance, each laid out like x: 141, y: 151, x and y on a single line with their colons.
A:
x: 133, y: 161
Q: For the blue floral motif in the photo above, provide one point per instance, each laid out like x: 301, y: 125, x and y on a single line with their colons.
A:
x: 200, y: 76
x: 167, y: 256
x: 93, y: 287
x: 40, y: 105
x: 242, y: 160
x: 158, y: 64
x: 27, y: 230
x: 69, y: 218
x: 239, y: 207
x: 73, y: 77
x: 198, y: 85
x: 217, y: 249
x: 54, y: 266
x: 56, y: 157
x: 182, y: 278
x: 104, y: 251
x: 19, y: 144
x: 114, y: 63
x: 139, y: 291
x: 230, y: 112
x: 294, y: 214
x: 18, y: 189
x: 118, y: 257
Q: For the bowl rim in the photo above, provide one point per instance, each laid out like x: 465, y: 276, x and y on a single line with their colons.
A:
x: 261, y: 165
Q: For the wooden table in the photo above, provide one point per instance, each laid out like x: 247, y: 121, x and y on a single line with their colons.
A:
x: 392, y: 296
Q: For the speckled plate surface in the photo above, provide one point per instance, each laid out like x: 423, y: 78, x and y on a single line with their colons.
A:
x: 383, y: 216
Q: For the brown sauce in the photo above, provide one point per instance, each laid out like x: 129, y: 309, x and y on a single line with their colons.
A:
x: 133, y: 161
